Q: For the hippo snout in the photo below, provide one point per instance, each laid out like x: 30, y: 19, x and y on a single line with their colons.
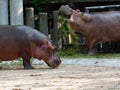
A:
x: 55, y: 62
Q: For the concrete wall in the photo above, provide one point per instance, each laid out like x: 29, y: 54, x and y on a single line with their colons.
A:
x: 3, y: 12
x: 16, y: 12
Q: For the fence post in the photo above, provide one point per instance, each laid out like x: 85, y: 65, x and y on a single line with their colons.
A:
x: 43, y: 23
x: 3, y: 12
x: 57, y: 36
x: 16, y: 12
x: 30, y: 17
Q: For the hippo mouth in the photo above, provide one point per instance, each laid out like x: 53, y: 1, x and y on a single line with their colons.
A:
x: 53, y: 62
x: 65, y: 10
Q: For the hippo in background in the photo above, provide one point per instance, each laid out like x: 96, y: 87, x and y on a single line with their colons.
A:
x: 26, y: 42
x: 95, y: 27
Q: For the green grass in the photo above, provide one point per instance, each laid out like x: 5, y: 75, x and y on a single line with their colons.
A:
x: 19, y: 62
x: 82, y: 55
x: 74, y: 54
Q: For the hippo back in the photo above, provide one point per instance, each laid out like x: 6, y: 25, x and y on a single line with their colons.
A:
x: 15, y: 40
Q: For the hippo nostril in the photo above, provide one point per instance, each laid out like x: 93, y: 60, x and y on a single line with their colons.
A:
x: 54, y: 62
x: 57, y: 62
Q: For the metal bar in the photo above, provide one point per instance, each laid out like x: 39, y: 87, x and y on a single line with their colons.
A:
x: 101, y: 7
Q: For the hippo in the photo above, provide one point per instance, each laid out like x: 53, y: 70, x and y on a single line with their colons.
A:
x: 20, y: 41
x: 97, y: 27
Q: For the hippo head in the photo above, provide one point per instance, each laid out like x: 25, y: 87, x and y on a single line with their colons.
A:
x: 65, y: 10
x: 75, y: 17
x: 47, y: 53
x: 69, y: 12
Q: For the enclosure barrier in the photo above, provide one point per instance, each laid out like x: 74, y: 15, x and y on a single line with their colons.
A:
x: 3, y: 12
x: 30, y: 17
x: 43, y: 23
x: 16, y: 12
x: 56, y: 37
x: 110, y: 7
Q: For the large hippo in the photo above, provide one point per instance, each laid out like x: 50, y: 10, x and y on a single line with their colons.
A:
x: 95, y: 27
x: 26, y: 42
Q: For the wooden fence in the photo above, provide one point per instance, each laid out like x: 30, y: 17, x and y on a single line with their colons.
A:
x: 54, y: 34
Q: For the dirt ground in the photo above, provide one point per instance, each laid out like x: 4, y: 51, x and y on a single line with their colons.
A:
x: 65, y: 77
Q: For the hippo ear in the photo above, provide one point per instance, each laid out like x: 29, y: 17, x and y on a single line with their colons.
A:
x: 49, y: 44
x: 66, y: 5
x: 82, y: 13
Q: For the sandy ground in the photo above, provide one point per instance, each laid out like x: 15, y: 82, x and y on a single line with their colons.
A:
x: 65, y: 77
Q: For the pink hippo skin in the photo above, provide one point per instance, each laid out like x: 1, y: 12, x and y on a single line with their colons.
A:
x: 96, y: 27
x: 26, y: 42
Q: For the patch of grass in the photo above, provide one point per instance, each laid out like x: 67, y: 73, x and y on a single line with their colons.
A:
x: 108, y: 55
x: 72, y: 53
x: 14, y: 62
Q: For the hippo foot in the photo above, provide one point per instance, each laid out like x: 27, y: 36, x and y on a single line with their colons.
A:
x: 0, y: 67
x: 29, y: 67
x: 91, y: 53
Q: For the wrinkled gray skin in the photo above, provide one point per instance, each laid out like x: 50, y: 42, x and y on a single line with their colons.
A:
x: 95, y: 27
x: 26, y: 42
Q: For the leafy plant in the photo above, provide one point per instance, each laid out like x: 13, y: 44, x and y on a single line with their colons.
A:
x: 66, y: 29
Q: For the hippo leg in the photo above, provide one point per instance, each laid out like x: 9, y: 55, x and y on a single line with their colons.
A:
x: 0, y: 66
x: 92, y: 48
x: 26, y: 63
x: 92, y: 52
